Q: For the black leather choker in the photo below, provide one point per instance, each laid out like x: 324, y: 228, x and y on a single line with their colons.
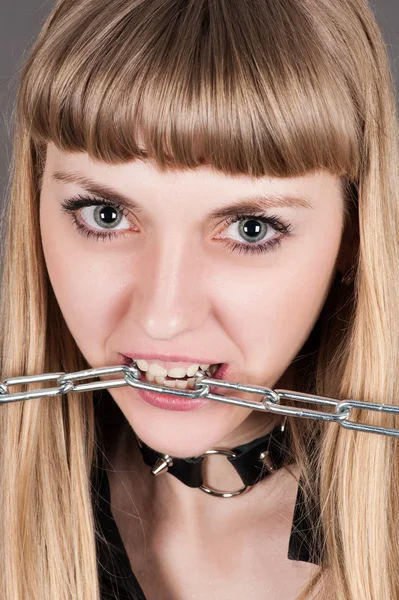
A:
x: 252, y: 461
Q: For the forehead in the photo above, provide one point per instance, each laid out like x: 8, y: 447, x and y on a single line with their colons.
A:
x: 144, y: 176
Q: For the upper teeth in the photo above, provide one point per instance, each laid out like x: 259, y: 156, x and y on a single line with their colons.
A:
x: 177, y: 372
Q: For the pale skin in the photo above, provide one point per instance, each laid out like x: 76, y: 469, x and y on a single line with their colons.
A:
x: 253, y: 311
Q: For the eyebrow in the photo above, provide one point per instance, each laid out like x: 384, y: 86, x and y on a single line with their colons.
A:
x: 254, y: 203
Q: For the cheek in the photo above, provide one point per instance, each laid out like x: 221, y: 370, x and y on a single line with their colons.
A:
x: 271, y: 313
x: 89, y: 289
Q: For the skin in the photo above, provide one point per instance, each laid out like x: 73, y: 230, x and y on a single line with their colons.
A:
x: 252, y: 311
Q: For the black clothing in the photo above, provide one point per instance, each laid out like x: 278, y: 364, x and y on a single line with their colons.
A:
x: 117, y: 580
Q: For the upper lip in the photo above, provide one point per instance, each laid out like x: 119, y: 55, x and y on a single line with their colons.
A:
x: 169, y: 361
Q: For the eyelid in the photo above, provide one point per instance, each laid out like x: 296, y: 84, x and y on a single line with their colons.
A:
x: 76, y: 203
x: 276, y: 222
x: 73, y: 205
x: 81, y: 201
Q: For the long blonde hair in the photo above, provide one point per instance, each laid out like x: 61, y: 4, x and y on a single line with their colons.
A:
x: 256, y: 87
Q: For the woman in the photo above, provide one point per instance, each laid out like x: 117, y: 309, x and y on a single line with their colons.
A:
x: 202, y: 183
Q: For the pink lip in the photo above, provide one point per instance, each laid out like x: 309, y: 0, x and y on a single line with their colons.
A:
x: 170, y: 402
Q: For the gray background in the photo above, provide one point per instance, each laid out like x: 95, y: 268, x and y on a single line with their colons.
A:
x: 20, y: 22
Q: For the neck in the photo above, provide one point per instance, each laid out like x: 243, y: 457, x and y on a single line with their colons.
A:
x: 165, y: 497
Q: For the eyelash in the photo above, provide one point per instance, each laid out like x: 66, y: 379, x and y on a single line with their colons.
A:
x: 72, y: 205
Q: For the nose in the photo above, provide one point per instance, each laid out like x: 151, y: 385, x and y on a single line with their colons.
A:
x: 170, y: 295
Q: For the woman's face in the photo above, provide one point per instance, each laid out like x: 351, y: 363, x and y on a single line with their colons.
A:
x: 198, y: 267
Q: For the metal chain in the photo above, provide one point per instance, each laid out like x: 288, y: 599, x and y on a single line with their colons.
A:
x: 270, y: 399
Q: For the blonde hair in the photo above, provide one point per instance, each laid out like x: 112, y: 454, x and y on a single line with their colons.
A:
x: 270, y: 88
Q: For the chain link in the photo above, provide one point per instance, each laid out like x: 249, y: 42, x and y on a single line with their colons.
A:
x: 270, y: 400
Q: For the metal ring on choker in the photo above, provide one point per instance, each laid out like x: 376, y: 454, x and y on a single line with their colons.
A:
x: 219, y: 493
x: 252, y: 461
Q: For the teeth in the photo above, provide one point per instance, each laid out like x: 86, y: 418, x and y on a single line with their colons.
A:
x: 176, y: 372
x: 172, y: 383
x: 211, y: 370
x: 191, y: 370
x: 149, y: 377
x: 169, y: 383
x: 156, y: 370
x: 181, y: 385
x: 142, y: 365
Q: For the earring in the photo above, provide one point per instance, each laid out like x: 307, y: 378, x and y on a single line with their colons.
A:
x: 348, y: 276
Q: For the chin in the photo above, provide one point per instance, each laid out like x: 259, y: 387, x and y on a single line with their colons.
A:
x: 179, y: 433
x: 181, y: 440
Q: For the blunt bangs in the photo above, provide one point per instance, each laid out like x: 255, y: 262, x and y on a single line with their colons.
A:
x: 246, y: 87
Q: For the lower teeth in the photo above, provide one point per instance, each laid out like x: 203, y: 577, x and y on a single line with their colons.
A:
x: 180, y: 384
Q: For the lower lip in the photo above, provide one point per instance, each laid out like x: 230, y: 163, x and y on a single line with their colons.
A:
x: 170, y: 402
